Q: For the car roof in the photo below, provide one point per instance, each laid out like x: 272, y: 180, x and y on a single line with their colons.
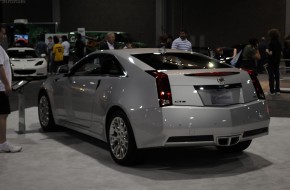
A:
x: 100, y: 31
x: 20, y: 48
x: 126, y: 53
x: 142, y: 50
x: 132, y: 51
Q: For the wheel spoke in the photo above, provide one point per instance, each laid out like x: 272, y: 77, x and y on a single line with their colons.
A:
x: 44, y: 111
x: 119, y: 138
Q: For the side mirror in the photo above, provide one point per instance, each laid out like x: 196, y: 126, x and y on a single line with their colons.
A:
x: 43, y: 55
x: 63, y: 69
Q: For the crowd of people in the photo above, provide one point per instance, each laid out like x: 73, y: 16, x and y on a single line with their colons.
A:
x: 256, y: 55
x: 261, y: 55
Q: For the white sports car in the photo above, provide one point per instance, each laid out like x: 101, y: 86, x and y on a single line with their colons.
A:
x: 26, y: 63
x: 143, y: 98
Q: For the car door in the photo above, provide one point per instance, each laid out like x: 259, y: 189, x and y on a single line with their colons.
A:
x: 109, y: 91
x: 83, y: 82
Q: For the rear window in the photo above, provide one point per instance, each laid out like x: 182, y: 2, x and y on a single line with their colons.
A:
x: 24, y: 54
x: 179, y: 61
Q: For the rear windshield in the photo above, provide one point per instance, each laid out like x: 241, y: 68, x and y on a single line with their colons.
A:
x: 179, y: 61
x: 22, y: 54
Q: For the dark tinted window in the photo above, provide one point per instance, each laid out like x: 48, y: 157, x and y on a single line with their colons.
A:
x: 22, y: 54
x: 179, y: 61
x: 203, y: 50
x: 102, y: 64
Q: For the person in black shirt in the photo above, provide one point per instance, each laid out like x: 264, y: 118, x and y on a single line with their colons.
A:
x: 79, y: 48
x: 274, y: 55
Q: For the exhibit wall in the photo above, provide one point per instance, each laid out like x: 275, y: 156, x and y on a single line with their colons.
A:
x: 134, y: 17
x: 32, y: 10
x: 208, y: 22
x: 226, y: 22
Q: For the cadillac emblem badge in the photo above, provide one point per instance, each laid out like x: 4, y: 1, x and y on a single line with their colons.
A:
x: 221, y: 80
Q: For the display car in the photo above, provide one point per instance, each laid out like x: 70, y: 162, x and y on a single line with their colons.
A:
x: 26, y: 63
x: 141, y: 98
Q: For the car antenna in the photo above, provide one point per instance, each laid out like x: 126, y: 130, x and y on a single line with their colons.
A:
x: 162, y: 50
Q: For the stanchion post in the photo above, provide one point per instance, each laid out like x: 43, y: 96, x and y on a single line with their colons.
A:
x: 21, y: 110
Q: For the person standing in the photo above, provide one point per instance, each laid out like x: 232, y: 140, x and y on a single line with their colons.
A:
x: 41, y: 47
x: 181, y: 42
x: 109, y: 42
x: 5, y: 91
x: 79, y: 48
x: 251, y: 55
x: 263, y: 45
x: 162, y: 41
x: 57, y: 53
x: 274, y: 54
x: 50, y: 45
x: 66, y: 46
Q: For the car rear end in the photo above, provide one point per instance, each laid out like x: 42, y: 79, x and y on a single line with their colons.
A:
x: 204, y: 102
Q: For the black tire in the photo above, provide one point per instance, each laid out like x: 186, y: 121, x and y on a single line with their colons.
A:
x: 45, y: 116
x: 241, y: 146
x: 121, y: 139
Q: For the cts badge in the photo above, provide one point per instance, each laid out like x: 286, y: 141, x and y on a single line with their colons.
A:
x: 221, y: 80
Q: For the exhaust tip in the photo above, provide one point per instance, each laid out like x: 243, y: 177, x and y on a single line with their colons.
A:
x: 228, y: 140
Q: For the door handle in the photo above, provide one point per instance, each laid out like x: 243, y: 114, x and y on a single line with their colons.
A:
x: 99, y: 82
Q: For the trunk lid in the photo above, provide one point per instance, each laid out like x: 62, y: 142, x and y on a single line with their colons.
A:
x: 208, y: 87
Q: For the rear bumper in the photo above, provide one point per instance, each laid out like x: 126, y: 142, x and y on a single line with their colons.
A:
x: 202, y: 126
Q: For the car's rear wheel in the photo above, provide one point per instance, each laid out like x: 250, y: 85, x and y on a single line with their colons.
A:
x: 45, y: 114
x: 241, y: 146
x: 121, y: 139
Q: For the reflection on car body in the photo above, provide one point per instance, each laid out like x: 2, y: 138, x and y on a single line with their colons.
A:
x: 140, y: 98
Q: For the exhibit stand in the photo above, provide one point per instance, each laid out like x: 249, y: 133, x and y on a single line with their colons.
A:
x: 19, y: 87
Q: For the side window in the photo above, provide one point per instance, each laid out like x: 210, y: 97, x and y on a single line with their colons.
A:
x: 111, y: 66
x: 90, y: 66
x: 99, y: 64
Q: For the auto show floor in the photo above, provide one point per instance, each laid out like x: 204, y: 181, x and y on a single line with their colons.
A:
x: 69, y: 160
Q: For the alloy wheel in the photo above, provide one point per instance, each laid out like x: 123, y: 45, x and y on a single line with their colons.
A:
x: 119, y: 139
x: 43, y: 111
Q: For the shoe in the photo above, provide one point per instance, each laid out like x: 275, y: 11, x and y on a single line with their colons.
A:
x: 278, y: 93
x: 7, y: 147
x: 272, y: 93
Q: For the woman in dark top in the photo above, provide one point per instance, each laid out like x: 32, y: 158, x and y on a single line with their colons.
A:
x: 274, y: 53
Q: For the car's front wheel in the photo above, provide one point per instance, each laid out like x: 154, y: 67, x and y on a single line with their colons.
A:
x: 121, y: 139
x: 235, y: 148
x: 45, y: 114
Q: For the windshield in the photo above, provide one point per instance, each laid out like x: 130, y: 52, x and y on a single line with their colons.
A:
x: 179, y: 61
x: 22, y: 54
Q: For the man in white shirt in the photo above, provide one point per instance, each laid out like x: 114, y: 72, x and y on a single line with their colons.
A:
x: 110, y: 42
x: 5, y: 91
x: 182, y: 43
x: 66, y: 46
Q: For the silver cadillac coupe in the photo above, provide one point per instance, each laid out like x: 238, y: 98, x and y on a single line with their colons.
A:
x: 143, y: 98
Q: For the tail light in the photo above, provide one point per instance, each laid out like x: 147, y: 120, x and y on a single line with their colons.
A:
x: 163, y: 88
x: 256, y: 84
